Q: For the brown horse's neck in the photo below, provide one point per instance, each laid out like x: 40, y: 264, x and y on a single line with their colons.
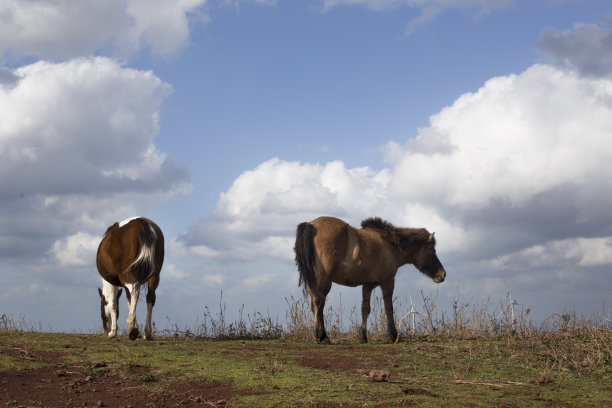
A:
x: 410, y: 241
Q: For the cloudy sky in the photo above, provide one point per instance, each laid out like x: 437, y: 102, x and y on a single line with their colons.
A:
x: 228, y: 122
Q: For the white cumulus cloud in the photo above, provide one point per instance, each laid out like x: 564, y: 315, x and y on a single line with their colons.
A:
x: 77, y: 150
x: 68, y: 28
x: 514, y: 178
x: 521, y: 161
x: 256, y: 218
x: 78, y: 249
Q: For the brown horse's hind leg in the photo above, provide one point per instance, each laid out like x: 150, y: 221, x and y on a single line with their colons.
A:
x: 365, y: 312
x: 318, y: 303
x: 387, y: 290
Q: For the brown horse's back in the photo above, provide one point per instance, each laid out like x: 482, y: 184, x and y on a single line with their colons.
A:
x: 351, y: 256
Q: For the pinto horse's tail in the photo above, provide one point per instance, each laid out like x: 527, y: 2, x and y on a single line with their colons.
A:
x: 305, y: 255
x: 145, y: 266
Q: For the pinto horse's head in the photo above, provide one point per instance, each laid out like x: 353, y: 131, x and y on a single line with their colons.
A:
x: 426, y: 260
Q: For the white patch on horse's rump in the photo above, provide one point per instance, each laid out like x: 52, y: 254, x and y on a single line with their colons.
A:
x: 122, y: 223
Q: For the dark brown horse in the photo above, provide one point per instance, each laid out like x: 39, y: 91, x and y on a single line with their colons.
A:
x: 130, y: 254
x: 330, y: 250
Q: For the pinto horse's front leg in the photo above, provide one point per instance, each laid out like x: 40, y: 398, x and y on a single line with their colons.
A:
x: 133, y: 291
x: 387, y: 290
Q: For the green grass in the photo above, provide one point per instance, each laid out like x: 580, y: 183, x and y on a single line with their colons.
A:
x: 425, y: 371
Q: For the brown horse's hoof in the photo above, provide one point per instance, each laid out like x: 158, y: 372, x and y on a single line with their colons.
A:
x: 324, y: 340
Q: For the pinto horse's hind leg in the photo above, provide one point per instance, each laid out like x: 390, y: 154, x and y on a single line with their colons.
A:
x: 133, y: 291
x: 387, y: 290
x: 153, y: 282
x: 365, y: 312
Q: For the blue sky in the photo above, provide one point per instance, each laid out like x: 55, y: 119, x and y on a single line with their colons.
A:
x: 229, y: 122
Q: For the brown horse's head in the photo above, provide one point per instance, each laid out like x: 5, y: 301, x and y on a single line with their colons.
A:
x: 416, y: 245
x: 425, y: 258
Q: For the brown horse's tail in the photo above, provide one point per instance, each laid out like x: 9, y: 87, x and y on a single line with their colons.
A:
x: 305, y: 255
x: 145, y: 266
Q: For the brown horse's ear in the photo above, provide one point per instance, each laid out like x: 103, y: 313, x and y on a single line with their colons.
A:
x: 431, y: 237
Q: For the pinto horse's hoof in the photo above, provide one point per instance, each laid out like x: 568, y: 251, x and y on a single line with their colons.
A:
x: 133, y: 333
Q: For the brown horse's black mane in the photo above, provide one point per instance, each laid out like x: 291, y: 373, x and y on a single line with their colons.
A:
x: 379, y: 224
x: 397, y: 236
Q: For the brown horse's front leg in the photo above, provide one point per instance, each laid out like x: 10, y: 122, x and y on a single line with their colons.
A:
x: 387, y: 290
x: 365, y: 312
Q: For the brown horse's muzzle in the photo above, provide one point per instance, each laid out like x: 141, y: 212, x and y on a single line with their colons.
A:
x: 439, y: 278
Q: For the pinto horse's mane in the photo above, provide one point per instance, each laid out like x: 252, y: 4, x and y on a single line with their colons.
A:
x: 397, y: 236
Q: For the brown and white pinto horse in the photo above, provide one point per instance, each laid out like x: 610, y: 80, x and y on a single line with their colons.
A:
x: 130, y: 254
x: 330, y: 250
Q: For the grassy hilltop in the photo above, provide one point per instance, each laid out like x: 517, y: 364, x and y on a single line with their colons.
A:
x: 467, y: 359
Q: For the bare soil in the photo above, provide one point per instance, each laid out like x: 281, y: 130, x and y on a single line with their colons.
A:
x: 89, y: 385
x: 80, y: 385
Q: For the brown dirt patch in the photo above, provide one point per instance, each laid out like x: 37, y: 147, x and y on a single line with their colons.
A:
x: 94, y: 385
x: 329, y: 360
x: 47, y: 357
